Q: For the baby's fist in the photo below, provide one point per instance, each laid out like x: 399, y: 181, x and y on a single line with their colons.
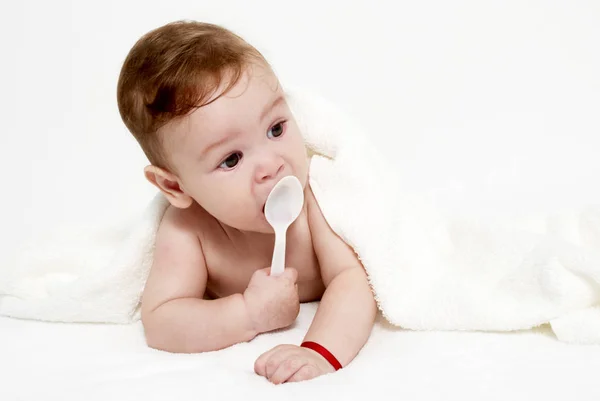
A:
x: 291, y: 363
x: 272, y: 302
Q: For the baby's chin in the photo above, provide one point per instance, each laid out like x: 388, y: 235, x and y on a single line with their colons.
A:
x: 263, y: 227
x: 259, y: 225
x: 263, y: 230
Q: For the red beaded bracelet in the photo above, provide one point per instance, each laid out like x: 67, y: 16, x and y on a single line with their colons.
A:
x: 324, y: 352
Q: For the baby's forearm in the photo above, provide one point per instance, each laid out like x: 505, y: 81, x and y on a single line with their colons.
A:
x: 345, y: 316
x: 191, y: 325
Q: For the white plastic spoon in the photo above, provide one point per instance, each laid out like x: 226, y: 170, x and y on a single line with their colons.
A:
x: 283, y: 206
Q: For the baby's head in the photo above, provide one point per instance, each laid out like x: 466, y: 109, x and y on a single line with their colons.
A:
x: 211, y: 116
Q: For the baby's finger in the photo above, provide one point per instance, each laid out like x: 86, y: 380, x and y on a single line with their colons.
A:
x: 291, y: 274
x: 260, y: 365
x: 287, y: 368
x: 276, y: 359
x: 306, y: 372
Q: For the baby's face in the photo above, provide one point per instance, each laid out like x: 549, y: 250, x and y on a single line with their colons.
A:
x: 229, y: 154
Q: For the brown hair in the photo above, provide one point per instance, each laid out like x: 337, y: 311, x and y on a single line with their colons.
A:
x: 173, y: 70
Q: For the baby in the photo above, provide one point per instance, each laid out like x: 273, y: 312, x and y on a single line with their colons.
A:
x: 212, y: 118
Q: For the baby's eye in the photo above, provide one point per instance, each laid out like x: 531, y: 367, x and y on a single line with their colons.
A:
x: 231, y: 161
x: 276, y: 131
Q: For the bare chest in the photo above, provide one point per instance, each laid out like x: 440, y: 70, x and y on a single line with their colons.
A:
x: 231, y: 260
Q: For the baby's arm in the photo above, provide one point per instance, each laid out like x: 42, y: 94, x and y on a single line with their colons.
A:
x: 347, y: 311
x: 345, y: 316
x: 174, y: 315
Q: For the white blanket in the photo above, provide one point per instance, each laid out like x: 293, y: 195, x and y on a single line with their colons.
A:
x: 428, y: 271
x: 100, y: 362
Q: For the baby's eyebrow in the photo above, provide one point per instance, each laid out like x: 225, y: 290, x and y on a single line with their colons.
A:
x: 280, y: 99
x: 213, y: 145
x: 276, y: 102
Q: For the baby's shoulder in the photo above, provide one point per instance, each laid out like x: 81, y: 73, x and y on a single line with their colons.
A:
x: 314, y: 213
x: 192, y: 220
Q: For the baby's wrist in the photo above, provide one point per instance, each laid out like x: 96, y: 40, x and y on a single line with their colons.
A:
x: 324, y: 353
x: 248, y: 323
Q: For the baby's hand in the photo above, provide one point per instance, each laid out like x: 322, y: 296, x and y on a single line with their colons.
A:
x: 291, y: 363
x: 272, y: 301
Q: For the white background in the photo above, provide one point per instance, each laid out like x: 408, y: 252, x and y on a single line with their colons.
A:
x: 491, y: 105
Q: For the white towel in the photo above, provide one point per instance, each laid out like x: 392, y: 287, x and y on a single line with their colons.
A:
x: 428, y: 271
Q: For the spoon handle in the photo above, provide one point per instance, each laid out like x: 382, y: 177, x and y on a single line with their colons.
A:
x: 278, y: 262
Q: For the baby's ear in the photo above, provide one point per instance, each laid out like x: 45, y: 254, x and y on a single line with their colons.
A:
x: 168, y: 184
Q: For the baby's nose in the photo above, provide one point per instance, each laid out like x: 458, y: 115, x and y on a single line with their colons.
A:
x: 269, y: 168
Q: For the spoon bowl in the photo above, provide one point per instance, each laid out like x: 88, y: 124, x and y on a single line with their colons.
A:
x: 282, y: 208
